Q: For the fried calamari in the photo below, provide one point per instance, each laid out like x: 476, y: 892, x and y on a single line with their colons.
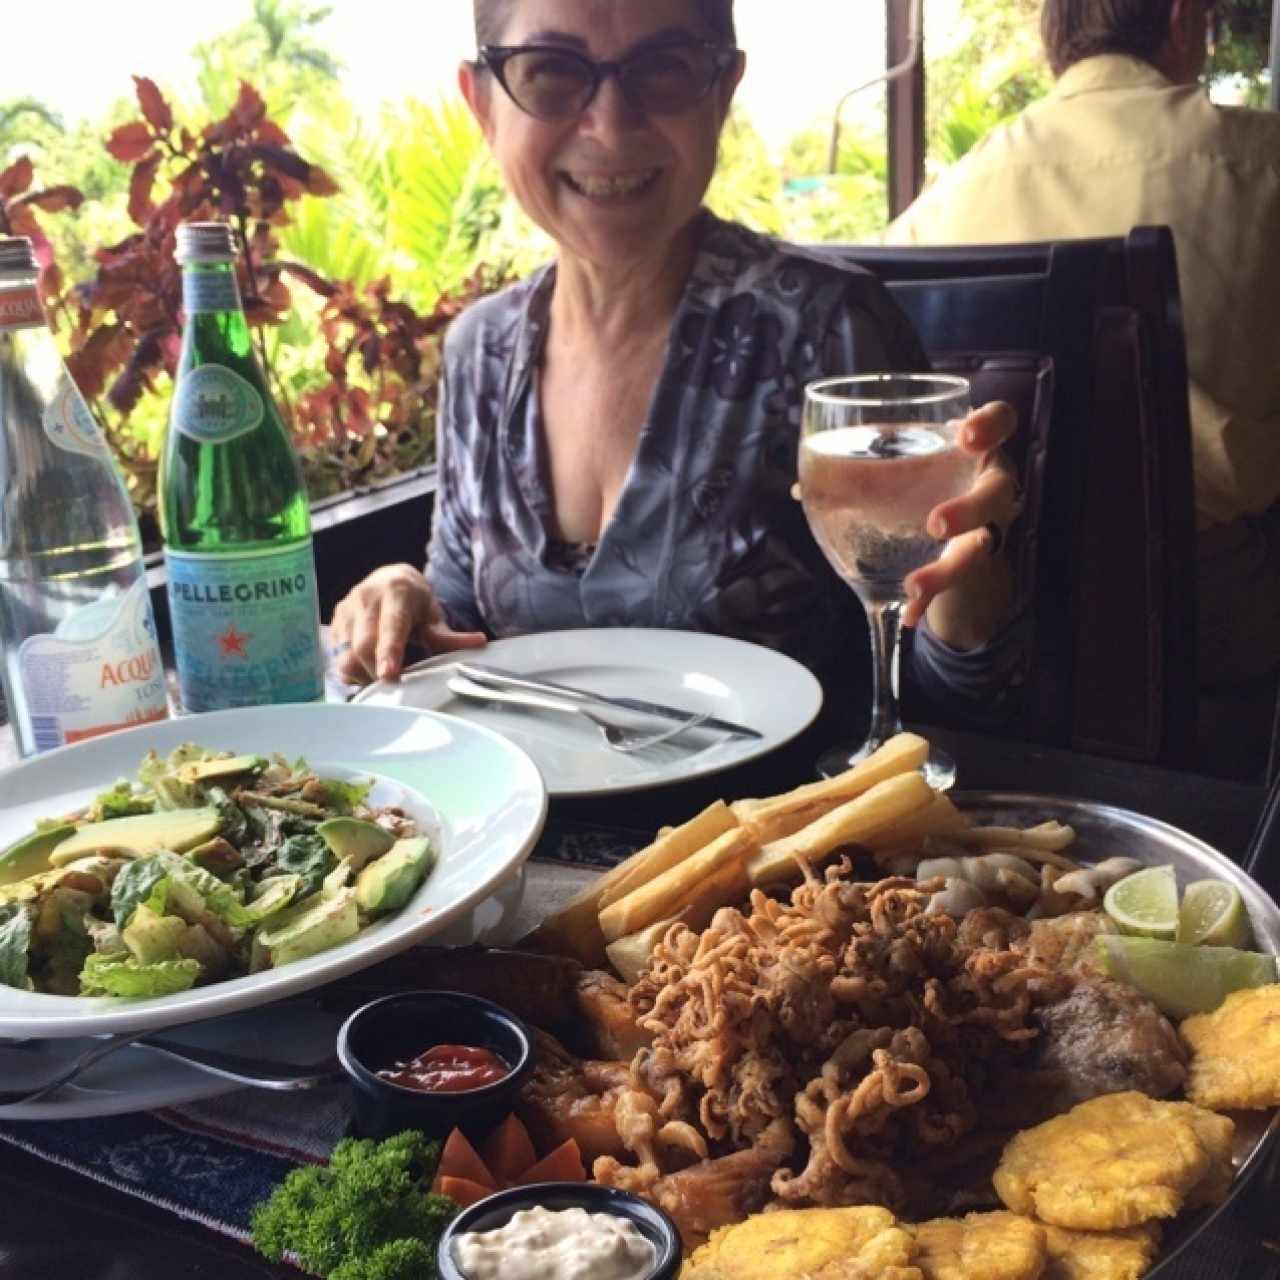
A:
x: 847, y: 1017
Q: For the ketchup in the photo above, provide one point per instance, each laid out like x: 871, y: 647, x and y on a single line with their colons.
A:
x: 448, y: 1068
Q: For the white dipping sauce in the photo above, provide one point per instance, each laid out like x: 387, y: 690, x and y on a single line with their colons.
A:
x: 564, y: 1244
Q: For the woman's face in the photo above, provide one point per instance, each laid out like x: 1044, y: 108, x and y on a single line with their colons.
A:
x: 611, y: 185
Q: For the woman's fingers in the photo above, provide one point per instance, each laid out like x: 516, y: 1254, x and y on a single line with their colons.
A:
x: 961, y: 556
x: 992, y: 498
x: 373, y: 623
x: 989, y: 427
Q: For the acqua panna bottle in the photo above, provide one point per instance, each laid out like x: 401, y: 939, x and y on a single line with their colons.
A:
x: 233, y: 508
x: 79, y: 640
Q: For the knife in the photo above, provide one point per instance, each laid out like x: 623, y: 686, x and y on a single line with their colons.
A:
x: 496, y: 678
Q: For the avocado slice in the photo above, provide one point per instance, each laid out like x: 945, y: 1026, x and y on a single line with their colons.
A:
x: 388, y: 883
x: 221, y: 769
x: 315, y: 924
x: 355, y: 840
x: 174, y: 829
x: 31, y: 854
x: 151, y: 937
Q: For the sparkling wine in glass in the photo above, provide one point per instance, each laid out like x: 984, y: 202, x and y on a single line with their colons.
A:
x: 877, y: 453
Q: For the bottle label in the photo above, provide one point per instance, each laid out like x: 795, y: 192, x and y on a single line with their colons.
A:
x: 246, y: 627
x: 214, y: 404
x: 20, y: 309
x: 204, y: 292
x: 99, y: 671
x: 69, y: 424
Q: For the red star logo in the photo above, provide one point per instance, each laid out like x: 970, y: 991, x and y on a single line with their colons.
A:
x: 232, y: 642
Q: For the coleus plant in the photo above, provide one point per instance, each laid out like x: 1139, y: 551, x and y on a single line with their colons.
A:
x: 18, y: 205
x: 373, y: 415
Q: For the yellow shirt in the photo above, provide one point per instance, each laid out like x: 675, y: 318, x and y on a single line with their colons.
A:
x: 1116, y: 145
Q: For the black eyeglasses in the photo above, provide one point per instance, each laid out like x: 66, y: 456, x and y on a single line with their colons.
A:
x: 553, y: 83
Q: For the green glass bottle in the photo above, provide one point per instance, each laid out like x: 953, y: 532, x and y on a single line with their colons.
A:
x: 233, y: 508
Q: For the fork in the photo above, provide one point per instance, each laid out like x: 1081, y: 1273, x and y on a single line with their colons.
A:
x: 244, y: 1070
x: 617, y: 736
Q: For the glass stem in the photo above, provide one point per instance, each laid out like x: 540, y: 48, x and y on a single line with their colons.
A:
x: 885, y: 620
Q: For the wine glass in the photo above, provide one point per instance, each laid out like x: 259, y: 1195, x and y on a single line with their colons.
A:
x: 877, y: 453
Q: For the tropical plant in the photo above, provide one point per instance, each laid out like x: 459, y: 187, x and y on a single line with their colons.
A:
x: 352, y: 367
x: 18, y: 217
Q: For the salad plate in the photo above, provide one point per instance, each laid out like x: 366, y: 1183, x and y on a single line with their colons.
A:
x: 477, y: 797
x: 692, y: 670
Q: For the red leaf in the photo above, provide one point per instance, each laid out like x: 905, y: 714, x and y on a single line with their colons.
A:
x: 313, y: 280
x: 107, y: 348
x: 141, y: 206
x: 320, y: 184
x: 249, y: 110
x: 16, y: 178
x: 54, y: 199
x: 130, y: 142
x: 154, y: 107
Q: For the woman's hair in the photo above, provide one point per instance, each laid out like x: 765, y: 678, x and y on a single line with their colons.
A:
x: 492, y: 16
x: 1075, y: 29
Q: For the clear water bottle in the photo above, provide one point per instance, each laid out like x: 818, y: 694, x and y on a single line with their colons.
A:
x: 233, y: 507
x: 79, y: 640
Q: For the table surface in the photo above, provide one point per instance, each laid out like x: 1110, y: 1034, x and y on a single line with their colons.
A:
x: 69, y: 1228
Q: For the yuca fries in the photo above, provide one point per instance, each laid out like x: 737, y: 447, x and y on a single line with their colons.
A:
x: 852, y: 823
x: 704, y: 881
x: 630, y: 955
x: 776, y: 817
x: 575, y: 929
x: 937, y: 818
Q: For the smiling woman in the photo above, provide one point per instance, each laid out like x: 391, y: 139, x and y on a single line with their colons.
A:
x: 618, y: 432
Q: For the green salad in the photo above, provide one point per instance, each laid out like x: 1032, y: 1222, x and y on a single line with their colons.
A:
x: 210, y: 865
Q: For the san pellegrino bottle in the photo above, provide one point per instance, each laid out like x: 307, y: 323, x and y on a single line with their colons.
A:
x: 79, y: 640
x: 233, y: 509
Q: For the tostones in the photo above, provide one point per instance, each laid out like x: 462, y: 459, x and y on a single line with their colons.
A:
x: 1100, y: 1255
x: 1114, y: 1161
x: 1216, y: 1133
x: 1235, y: 1051
x: 980, y: 1246
x: 862, y: 1243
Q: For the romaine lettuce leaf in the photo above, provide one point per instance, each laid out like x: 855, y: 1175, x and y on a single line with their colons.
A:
x: 121, y: 801
x: 343, y: 797
x: 15, y: 944
x: 309, y: 857
x: 136, y: 883
x: 112, y: 975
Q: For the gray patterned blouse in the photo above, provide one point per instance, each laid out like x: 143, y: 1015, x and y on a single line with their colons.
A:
x: 705, y: 535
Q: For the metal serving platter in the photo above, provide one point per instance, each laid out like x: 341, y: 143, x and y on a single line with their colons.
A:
x: 1104, y: 831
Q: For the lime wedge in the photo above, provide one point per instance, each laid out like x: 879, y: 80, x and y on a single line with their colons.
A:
x: 1213, y: 914
x: 1181, y: 979
x: 1145, y: 904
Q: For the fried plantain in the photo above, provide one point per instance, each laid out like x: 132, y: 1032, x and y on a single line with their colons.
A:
x: 862, y: 1243
x: 980, y: 1246
x: 1100, y: 1255
x: 1235, y: 1051
x: 1111, y: 1162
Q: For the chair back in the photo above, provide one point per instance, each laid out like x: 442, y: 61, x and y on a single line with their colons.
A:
x: 1085, y: 338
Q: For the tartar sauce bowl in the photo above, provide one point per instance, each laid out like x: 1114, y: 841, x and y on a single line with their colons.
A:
x: 497, y: 1210
x: 397, y: 1028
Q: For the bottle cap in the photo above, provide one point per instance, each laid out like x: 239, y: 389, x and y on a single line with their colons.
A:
x: 17, y: 257
x: 205, y: 242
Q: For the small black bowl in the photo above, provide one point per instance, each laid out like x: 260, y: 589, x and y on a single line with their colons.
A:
x: 397, y: 1028
x: 496, y: 1211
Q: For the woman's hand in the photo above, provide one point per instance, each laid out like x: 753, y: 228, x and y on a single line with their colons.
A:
x: 378, y: 617
x: 966, y: 592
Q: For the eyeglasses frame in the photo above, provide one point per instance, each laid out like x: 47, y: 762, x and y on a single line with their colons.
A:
x: 494, y: 58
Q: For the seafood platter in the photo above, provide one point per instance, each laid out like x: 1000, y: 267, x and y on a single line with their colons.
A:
x: 863, y: 1029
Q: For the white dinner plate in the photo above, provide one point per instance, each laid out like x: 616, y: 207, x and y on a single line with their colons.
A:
x: 479, y: 797
x: 731, y: 679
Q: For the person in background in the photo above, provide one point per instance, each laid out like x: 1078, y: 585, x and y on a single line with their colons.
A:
x: 1126, y: 137
x: 617, y: 433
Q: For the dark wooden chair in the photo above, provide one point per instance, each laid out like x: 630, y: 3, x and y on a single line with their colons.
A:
x: 1085, y: 339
